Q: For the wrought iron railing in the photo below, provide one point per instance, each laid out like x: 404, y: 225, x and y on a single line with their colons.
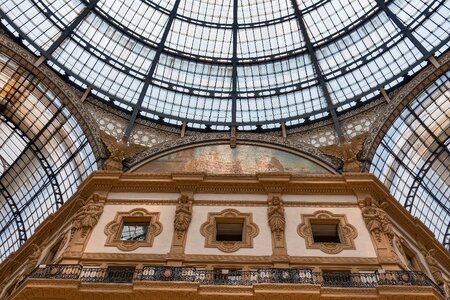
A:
x: 55, y: 271
x: 226, y: 277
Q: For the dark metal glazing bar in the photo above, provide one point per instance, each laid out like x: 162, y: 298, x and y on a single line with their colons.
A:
x: 404, y: 29
x: 235, y: 62
x: 148, y: 78
x: 16, y: 214
x: 70, y: 28
x: 318, y: 70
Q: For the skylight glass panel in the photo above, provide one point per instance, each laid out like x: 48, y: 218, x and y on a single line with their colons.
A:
x: 413, y: 159
x: 360, y: 47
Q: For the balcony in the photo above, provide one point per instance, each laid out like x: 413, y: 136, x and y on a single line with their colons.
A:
x: 196, y: 281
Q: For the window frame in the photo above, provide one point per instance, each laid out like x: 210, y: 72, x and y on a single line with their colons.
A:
x: 249, y: 231
x: 347, y: 233
x: 113, y: 229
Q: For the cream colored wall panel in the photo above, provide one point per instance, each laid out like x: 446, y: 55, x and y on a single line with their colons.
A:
x: 296, y: 245
x: 230, y: 197
x: 142, y: 196
x: 161, y: 243
x: 321, y: 198
x: 195, y: 243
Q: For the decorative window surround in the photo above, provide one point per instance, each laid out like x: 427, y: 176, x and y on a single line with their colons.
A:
x: 347, y: 233
x: 113, y: 229
x: 249, y: 231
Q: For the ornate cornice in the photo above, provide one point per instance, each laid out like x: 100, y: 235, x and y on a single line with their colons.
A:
x: 247, y: 203
x: 75, y: 290
x: 267, y: 260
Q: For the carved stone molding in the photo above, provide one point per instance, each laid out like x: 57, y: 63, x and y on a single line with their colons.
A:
x: 87, y: 217
x: 275, y: 214
x: 404, y: 250
x: 347, y: 233
x: 82, y: 224
x: 236, y: 259
x: 113, y: 229
x: 277, y: 223
x: 33, y: 259
x: 377, y: 221
x: 181, y: 222
x: 250, y: 230
x: 183, y: 215
x: 381, y: 229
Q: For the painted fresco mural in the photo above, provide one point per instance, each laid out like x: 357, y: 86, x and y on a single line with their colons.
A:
x: 221, y: 159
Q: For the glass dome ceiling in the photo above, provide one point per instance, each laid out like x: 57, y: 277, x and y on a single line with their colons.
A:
x: 240, y: 62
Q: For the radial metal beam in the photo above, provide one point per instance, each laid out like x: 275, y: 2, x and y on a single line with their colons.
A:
x: 149, y: 77
x: 403, y: 28
x: 318, y: 70
x: 400, y: 161
x: 42, y: 159
x: 69, y: 29
x: 441, y: 148
x: 428, y: 130
x: 16, y: 213
x: 235, y: 63
x: 446, y: 239
x: 418, y: 178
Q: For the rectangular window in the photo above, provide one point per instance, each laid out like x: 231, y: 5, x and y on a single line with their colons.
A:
x: 325, y: 233
x: 134, y: 231
x: 229, y: 230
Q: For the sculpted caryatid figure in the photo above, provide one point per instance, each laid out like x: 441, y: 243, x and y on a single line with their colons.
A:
x: 183, y: 215
x: 436, y: 271
x: 434, y: 267
x: 275, y: 214
x: 377, y: 220
x: 87, y: 217
x: 32, y: 259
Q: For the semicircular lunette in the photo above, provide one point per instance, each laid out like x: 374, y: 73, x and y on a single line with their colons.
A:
x: 244, y: 159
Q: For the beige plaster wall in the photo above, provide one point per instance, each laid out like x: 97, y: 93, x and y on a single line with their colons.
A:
x: 321, y: 198
x: 195, y: 243
x: 142, y: 196
x: 262, y: 243
x: 296, y: 245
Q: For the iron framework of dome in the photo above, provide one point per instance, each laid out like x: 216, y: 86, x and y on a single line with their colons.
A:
x: 232, y: 63
x: 212, y: 65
